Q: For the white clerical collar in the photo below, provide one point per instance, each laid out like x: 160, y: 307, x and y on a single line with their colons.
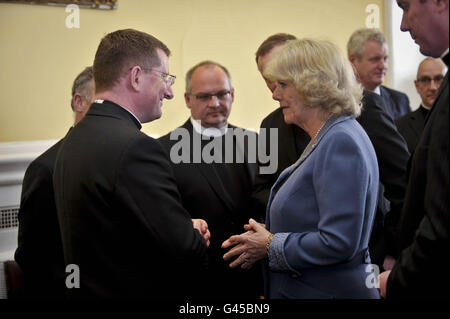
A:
x: 101, y: 102
x: 444, y: 54
x: 377, y: 90
x: 208, y: 131
x: 425, y: 107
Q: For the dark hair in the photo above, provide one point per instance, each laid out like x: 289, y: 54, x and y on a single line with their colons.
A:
x: 121, y: 50
x: 272, y: 42
x: 80, y: 84
x: 204, y: 63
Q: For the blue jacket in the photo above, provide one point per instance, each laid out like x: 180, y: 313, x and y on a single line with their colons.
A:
x: 321, y: 210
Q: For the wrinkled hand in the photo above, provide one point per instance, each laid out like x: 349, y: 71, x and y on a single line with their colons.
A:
x: 249, y: 246
x: 202, y: 227
x: 382, y: 279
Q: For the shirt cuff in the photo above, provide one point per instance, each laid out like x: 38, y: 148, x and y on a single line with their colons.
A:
x: 277, y: 259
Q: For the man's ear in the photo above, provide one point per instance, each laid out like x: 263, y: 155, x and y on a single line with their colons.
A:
x: 135, y: 78
x: 232, y: 95
x: 78, y: 103
x: 416, y: 83
x: 187, y: 98
x: 352, y: 58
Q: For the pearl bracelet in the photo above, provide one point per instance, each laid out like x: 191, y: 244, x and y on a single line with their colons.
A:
x: 269, y: 239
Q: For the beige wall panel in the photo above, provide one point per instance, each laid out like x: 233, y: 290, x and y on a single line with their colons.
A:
x: 40, y: 56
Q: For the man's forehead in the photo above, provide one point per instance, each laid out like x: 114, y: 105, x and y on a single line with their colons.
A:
x: 372, y: 47
x: 431, y: 67
x: 401, y: 3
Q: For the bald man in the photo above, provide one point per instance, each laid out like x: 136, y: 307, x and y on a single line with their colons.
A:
x: 430, y: 75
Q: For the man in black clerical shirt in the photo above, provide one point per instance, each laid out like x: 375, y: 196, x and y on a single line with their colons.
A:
x: 214, y: 164
x: 430, y: 75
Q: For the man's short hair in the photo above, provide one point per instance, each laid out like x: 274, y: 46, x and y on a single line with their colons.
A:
x: 204, y: 63
x: 120, y: 50
x: 360, y: 37
x: 81, y: 83
x: 271, y: 42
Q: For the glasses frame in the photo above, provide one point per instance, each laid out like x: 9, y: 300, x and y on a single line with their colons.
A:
x: 205, y: 97
x: 169, y: 79
x: 425, y: 80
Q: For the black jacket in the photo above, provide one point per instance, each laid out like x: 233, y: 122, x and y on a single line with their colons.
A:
x: 120, y: 211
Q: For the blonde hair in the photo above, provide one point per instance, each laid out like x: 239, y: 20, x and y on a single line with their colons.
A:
x: 321, y: 74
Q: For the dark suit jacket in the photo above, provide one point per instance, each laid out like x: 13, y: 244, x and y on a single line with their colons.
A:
x: 219, y: 194
x: 291, y: 142
x: 392, y: 156
x: 422, y: 271
x: 396, y: 103
x: 120, y: 212
x: 39, y: 253
x: 411, y: 126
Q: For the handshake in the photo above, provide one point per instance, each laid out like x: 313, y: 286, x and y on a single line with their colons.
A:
x: 202, y: 227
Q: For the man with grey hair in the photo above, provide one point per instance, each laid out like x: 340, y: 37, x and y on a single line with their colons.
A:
x: 83, y: 90
x: 368, y: 52
x: 39, y: 253
x: 215, y: 185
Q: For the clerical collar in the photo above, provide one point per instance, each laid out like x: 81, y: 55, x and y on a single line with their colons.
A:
x: 445, y: 57
x: 208, y: 131
x: 101, y: 102
x: 425, y: 107
x: 377, y: 90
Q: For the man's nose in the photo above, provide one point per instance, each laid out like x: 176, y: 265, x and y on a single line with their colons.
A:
x: 434, y: 85
x: 169, y: 93
x: 214, y: 101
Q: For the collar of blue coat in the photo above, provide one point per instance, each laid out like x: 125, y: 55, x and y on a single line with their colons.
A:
x: 333, y: 120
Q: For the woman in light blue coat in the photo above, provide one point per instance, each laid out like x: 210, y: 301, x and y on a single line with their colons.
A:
x: 321, y: 209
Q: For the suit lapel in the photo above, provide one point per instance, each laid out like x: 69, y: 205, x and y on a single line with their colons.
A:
x: 417, y: 122
x: 441, y: 89
x: 308, y: 150
x: 242, y: 149
x: 386, y: 95
x: 209, y: 173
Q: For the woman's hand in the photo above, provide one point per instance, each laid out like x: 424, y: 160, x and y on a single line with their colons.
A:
x: 249, y: 246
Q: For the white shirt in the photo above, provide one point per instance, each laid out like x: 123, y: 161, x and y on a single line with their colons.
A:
x: 377, y: 90
x: 208, y: 131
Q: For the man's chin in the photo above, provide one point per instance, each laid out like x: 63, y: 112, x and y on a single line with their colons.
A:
x: 216, y: 123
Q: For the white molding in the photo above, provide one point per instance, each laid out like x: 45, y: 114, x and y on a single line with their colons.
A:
x: 14, y: 160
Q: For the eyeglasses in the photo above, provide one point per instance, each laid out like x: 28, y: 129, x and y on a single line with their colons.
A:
x: 206, y: 96
x: 169, y: 79
x: 426, y: 80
